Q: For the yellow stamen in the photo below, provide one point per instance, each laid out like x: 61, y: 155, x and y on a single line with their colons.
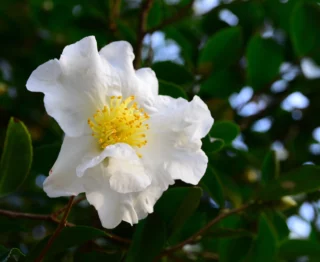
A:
x: 121, y: 121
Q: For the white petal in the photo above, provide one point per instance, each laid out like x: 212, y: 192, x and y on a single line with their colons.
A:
x: 174, y: 143
x: 120, y: 55
x: 145, y: 201
x: 75, y: 86
x: 141, y: 83
x: 148, y: 80
x: 112, y: 206
x: 123, y: 166
x: 107, y: 202
x: 62, y: 180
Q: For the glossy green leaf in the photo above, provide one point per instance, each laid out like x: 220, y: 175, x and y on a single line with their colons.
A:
x: 240, y: 246
x: 69, y: 237
x: 229, y: 233
x: 221, y: 84
x: 172, y: 72
x: 295, y: 248
x: 176, y: 205
x: 225, y: 130
x: 212, y: 184
x: 264, y: 58
x: 265, y: 245
x: 148, y: 240
x: 112, y: 256
x: 270, y: 167
x: 303, y: 179
x: 279, y: 222
x: 222, y: 49
x: 305, y: 29
x: 210, y: 145
x: 6, y: 254
x: 16, y: 157
x: 155, y: 14
x: 170, y: 89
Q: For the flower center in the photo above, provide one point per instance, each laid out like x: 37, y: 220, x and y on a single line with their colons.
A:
x: 122, y: 121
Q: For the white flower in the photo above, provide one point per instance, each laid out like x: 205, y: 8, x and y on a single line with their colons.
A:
x: 124, y: 144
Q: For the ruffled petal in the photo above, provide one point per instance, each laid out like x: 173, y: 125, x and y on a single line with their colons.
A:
x: 122, y: 166
x: 107, y: 202
x: 141, y: 83
x: 113, y: 207
x: 174, y: 141
x: 75, y: 86
x: 145, y: 201
x: 62, y: 180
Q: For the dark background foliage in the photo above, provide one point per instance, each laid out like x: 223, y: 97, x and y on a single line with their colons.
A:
x: 255, y: 63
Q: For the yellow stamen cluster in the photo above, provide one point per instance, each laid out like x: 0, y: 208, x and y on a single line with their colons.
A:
x: 122, y: 121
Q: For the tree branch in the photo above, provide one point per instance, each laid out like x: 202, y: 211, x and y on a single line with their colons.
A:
x: 114, y: 6
x: 204, y: 229
x: 56, y: 233
x: 53, y: 218
x: 76, y: 201
x: 146, y: 6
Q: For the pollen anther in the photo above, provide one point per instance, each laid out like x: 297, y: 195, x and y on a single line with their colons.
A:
x: 121, y: 121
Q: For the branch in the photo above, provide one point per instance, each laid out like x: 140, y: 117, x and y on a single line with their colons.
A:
x: 75, y: 202
x: 53, y: 218
x: 61, y: 225
x: 181, y: 14
x: 142, y: 30
x: 114, y: 6
x: 204, y: 229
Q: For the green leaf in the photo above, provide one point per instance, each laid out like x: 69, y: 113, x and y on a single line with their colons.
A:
x: 221, y: 50
x: 265, y: 245
x: 279, y: 223
x: 305, y: 29
x: 221, y: 84
x: 264, y: 58
x: 6, y: 254
x: 225, y: 130
x: 69, y: 237
x: 270, y: 167
x: 295, y: 248
x: 148, y: 240
x: 212, y: 184
x: 155, y: 14
x: 45, y: 156
x: 229, y: 233
x: 97, y: 256
x: 212, y: 145
x: 176, y: 205
x: 16, y: 157
x: 170, y: 89
x: 240, y: 246
x: 172, y: 72
x: 301, y: 180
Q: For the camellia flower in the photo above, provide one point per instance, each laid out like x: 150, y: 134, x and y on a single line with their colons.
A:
x: 124, y: 144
